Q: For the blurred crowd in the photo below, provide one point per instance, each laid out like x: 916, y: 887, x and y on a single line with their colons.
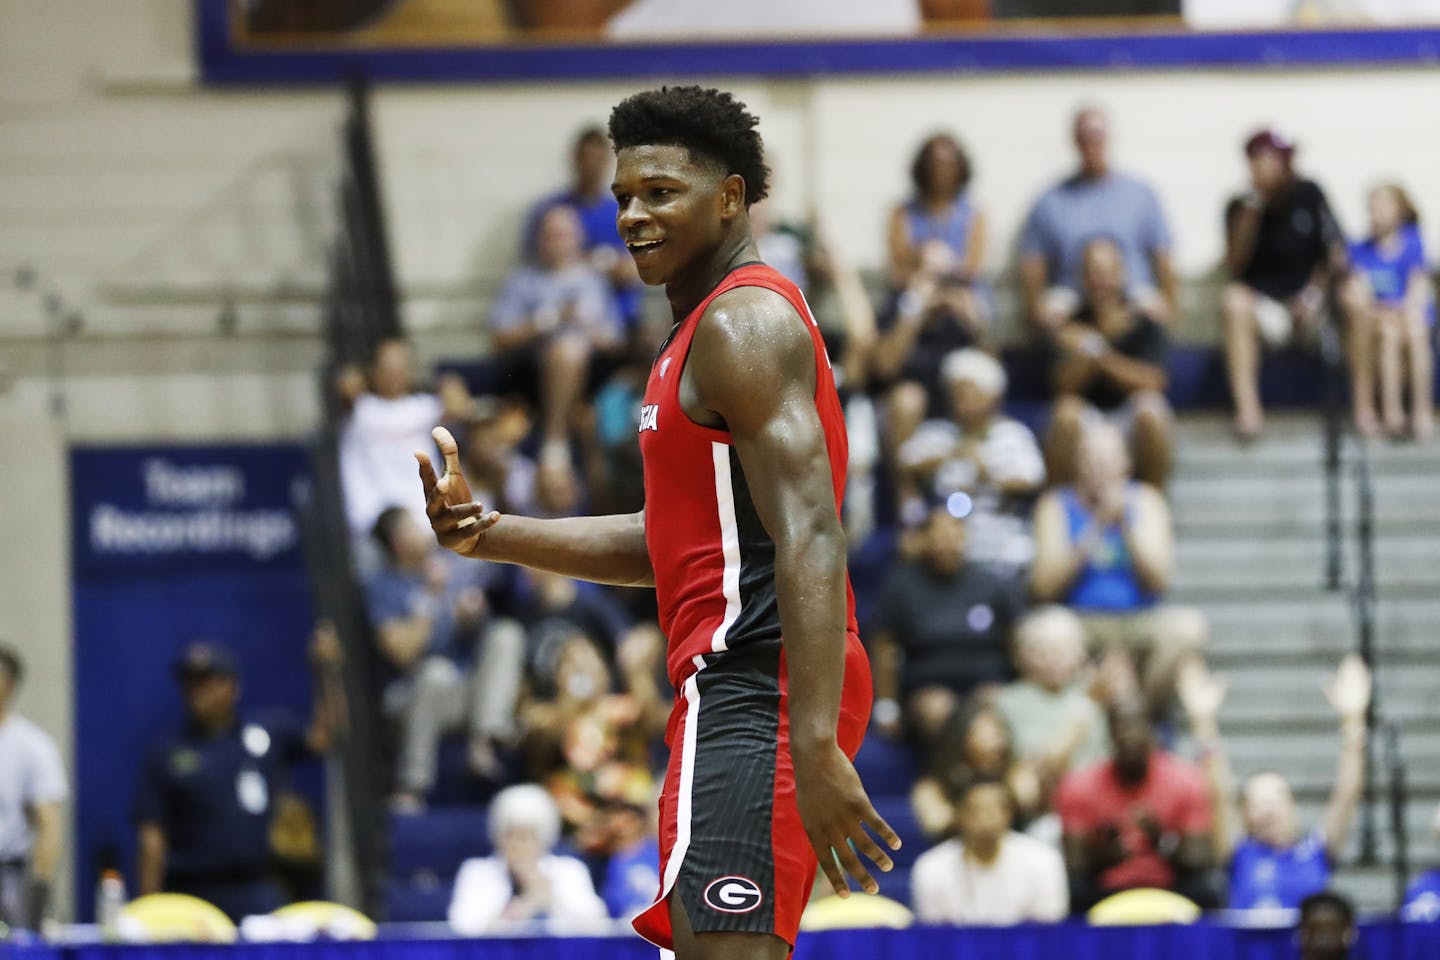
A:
x: 1012, y: 571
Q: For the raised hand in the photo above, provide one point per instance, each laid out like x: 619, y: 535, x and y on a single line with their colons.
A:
x: 458, y: 522
x: 1201, y: 692
x: 835, y: 810
x: 1349, y: 690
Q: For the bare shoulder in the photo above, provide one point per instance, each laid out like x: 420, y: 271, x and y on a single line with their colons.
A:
x: 752, y: 331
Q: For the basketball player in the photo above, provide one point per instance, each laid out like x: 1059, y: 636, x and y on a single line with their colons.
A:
x: 744, y: 453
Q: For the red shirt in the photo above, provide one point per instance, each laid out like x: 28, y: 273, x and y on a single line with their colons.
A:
x: 1173, y: 794
x: 714, y: 562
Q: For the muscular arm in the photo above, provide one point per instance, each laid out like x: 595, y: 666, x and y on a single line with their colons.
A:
x: 748, y: 337
x: 608, y: 549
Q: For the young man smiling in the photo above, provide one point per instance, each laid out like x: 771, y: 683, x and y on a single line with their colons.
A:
x: 744, y: 450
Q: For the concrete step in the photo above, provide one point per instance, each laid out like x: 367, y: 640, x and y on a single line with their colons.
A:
x: 1280, y: 587
x: 1299, y: 560
x: 1295, y: 493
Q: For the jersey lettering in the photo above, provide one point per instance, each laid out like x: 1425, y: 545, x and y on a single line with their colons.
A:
x: 649, y: 417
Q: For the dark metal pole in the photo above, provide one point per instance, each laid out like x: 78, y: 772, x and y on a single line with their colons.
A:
x: 1399, y: 798
x: 1365, y: 628
x: 1333, y: 404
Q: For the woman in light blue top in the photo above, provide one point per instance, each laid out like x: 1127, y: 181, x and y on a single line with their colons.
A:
x: 1388, y: 300
x: 938, y: 229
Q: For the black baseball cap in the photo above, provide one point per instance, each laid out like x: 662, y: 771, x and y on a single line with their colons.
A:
x: 205, y: 658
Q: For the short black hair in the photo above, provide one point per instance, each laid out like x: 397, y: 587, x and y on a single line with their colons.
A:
x: 920, y: 164
x: 1328, y: 899
x: 384, y: 529
x: 11, y: 663
x: 709, y: 123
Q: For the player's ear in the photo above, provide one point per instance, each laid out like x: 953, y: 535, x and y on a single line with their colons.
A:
x: 732, y: 196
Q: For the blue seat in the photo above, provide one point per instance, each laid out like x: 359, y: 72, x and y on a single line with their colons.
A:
x: 886, y: 767
x: 416, y: 903
x: 436, y: 841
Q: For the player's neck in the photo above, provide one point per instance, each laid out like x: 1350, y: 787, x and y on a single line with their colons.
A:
x: 686, y: 292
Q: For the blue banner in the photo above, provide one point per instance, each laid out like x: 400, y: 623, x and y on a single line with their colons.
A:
x: 172, y: 544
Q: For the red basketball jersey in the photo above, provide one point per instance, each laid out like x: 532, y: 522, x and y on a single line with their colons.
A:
x: 714, y: 563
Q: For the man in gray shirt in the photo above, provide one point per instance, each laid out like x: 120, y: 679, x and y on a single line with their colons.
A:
x: 1095, y: 201
x: 32, y: 787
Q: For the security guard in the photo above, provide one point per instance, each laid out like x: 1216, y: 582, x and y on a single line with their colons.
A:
x: 206, y: 796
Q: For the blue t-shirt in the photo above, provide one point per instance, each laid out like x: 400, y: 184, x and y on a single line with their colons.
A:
x: 597, y: 219
x: 1075, y: 211
x: 1389, y: 268
x: 632, y: 879
x: 951, y: 228
x: 1263, y: 876
x: 1422, y: 900
x: 1107, y: 583
x: 214, y: 797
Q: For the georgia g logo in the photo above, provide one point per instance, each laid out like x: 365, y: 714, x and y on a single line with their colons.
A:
x: 733, y: 895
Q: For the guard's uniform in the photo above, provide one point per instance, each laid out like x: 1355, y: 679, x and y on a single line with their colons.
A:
x: 732, y: 844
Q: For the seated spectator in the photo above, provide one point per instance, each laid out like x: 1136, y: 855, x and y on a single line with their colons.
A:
x: 1141, y: 819
x: 1422, y: 899
x: 939, y: 220
x: 937, y: 247
x: 1105, y: 548
x: 1389, y: 307
x: 588, y: 194
x: 1326, y: 930
x: 1273, y: 865
x: 632, y: 874
x: 207, y: 795
x: 1095, y: 201
x: 974, y: 744
x: 387, y: 423
x: 989, y: 874
x: 524, y: 882
x: 1055, y: 723
x: 977, y: 451
x: 501, y: 477
x: 449, y: 665
x: 942, y: 631
x: 586, y: 741
x: 1282, y: 247
x: 33, y: 786
x: 551, y: 324
x: 1110, y: 359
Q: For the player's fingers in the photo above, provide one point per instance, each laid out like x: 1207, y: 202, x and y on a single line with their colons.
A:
x: 435, y: 502
x: 427, y: 471
x: 451, y: 518
x: 867, y: 845
x: 881, y: 829
x: 826, y: 855
x: 854, y: 867
x: 448, y: 449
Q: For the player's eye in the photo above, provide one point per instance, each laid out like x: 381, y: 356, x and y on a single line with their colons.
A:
x: 659, y: 193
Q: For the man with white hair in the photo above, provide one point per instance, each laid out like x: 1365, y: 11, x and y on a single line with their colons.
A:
x: 1055, y: 724
x: 983, y: 464
x: 524, y: 882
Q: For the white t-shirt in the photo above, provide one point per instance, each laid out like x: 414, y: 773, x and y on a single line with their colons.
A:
x: 1025, y: 883
x: 377, y: 456
x: 31, y: 774
x: 483, y: 889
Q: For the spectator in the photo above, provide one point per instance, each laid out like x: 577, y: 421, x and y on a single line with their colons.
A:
x: 1326, y: 930
x: 206, y: 799
x: 1141, y: 819
x: 552, y: 323
x: 1056, y: 725
x: 979, y: 452
x: 1282, y: 246
x: 632, y: 874
x: 432, y: 627
x: 588, y: 194
x: 1422, y: 899
x: 989, y: 874
x: 974, y: 744
x: 1273, y: 866
x: 1110, y: 358
x: 524, y: 882
x: 388, y: 422
x: 942, y: 630
x: 500, y: 475
x: 32, y: 788
x: 1105, y: 548
x: 1388, y: 299
x: 1095, y: 201
x: 939, y: 220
